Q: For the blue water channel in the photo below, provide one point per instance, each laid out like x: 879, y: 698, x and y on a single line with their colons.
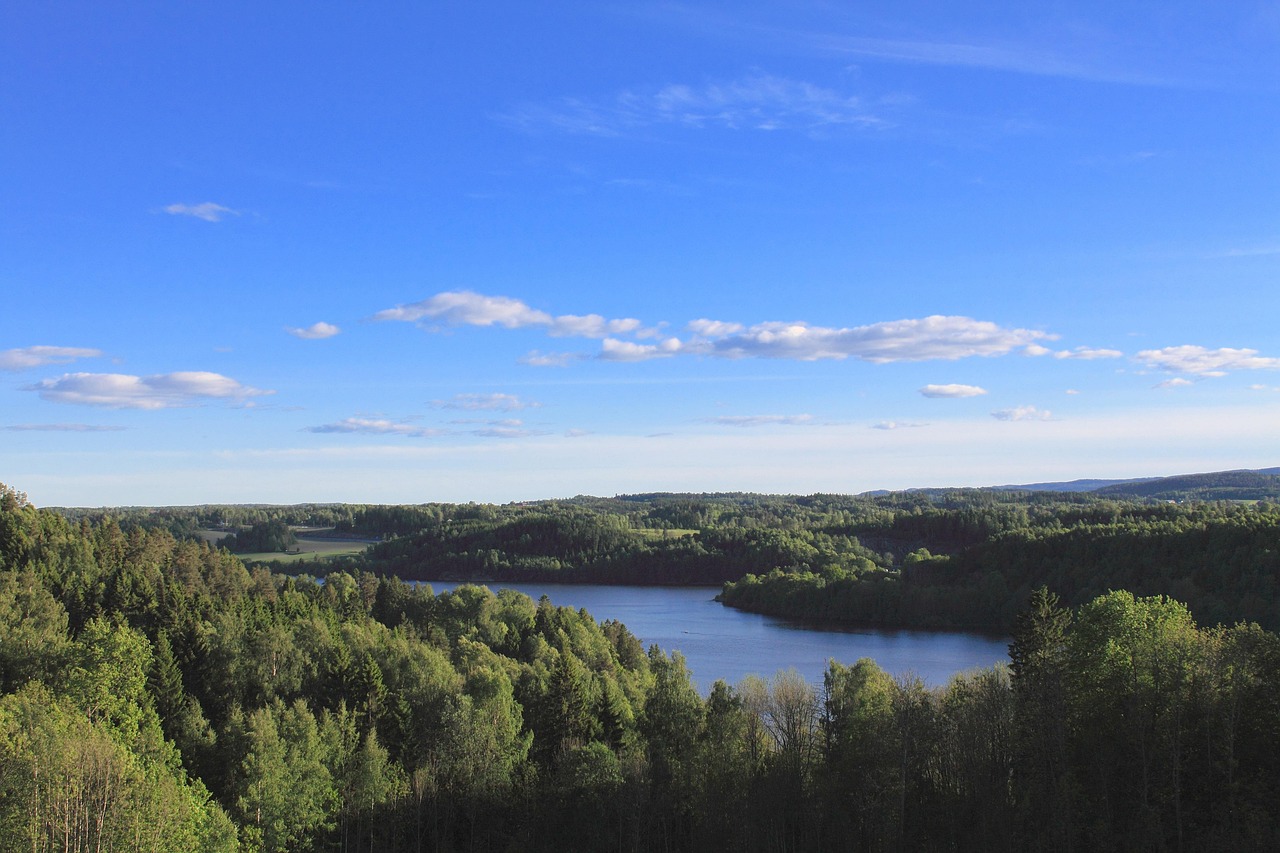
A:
x: 720, y: 642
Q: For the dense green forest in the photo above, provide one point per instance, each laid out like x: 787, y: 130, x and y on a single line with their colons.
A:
x: 935, y: 559
x: 157, y: 695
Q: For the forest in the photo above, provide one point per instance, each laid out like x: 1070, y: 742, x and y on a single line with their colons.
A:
x: 157, y: 694
x: 930, y: 559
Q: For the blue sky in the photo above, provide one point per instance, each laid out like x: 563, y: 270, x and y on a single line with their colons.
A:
x: 375, y: 252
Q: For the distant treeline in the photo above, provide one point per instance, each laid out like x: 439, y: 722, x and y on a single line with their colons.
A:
x: 956, y: 559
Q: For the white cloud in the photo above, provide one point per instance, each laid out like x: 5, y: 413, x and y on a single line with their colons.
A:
x: 122, y: 391
x: 1064, y: 57
x: 1254, y: 251
x: 38, y: 356
x: 758, y: 102
x: 377, y: 426
x: 714, y: 328
x: 63, y: 428
x: 314, y: 332
x: 507, y: 428
x: 921, y: 339
x: 208, y: 211
x: 952, y: 391
x: 892, y: 425
x: 1022, y: 413
x: 612, y: 349
x: 550, y: 359
x: 1071, y: 391
x: 1176, y: 382
x: 508, y: 432
x: 590, y: 326
x: 464, y: 308
x: 935, y: 337
x: 1088, y: 353
x: 485, y: 402
x: 1205, y: 362
x: 760, y: 420
x: 1035, y: 350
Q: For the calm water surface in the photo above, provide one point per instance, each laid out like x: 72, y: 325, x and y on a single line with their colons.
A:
x: 719, y: 642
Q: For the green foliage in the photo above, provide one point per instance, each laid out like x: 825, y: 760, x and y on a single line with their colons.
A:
x: 156, y: 696
x: 262, y: 537
x: 33, y: 630
x: 1223, y: 560
x: 946, y: 559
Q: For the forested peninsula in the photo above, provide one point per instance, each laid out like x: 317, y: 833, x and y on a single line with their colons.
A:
x: 158, y: 693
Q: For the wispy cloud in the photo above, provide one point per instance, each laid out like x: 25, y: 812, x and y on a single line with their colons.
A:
x: 485, y: 402
x: 1037, y: 60
x: 1088, y: 353
x: 24, y: 358
x: 537, y: 358
x: 162, y: 391
x: 892, y: 425
x: 63, y: 428
x: 508, y: 432
x: 952, y: 391
x: 1176, y: 382
x: 1022, y: 413
x: 928, y: 338
x: 377, y: 426
x: 1258, y: 250
x: 314, y: 332
x: 506, y: 429
x: 207, y: 210
x: 759, y: 102
x: 760, y: 420
x: 1205, y: 362
x: 465, y: 308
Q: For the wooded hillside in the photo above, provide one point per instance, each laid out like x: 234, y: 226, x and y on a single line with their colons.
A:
x: 157, y: 695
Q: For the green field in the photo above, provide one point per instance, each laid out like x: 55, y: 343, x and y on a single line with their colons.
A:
x: 664, y: 533
x: 308, y: 548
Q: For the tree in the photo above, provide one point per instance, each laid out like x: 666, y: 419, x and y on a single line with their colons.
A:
x: 33, y: 630
x: 286, y: 795
x: 1132, y: 665
x: 860, y: 765
x: 1039, y: 670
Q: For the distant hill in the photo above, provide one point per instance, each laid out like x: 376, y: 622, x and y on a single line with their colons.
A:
x: 1246, y: 485
x: 1219, y: 485
x: 1071, y: 485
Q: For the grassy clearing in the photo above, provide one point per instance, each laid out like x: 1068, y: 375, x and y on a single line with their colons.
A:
x: 308, y: 548
x: 673, y: 533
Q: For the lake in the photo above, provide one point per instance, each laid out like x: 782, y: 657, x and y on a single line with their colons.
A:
x: 720, y: 642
